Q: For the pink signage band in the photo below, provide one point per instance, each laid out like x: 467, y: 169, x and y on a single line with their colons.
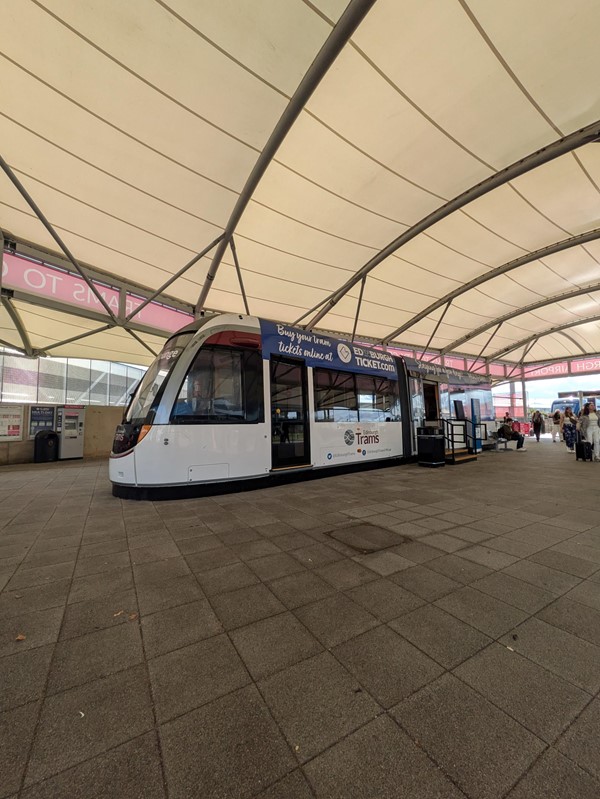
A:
x: 45, y: 281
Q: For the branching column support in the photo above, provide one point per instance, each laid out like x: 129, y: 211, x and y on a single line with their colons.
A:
x: 435, y: 330
x: 360, y: 296
x: 239, y: 274
x: 31, y: 203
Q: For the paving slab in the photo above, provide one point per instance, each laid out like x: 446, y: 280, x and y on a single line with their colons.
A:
x: 269, y: 645
x: 542, y: 702
x: 317, y: 702
x: 384, y: 599
x: 564, y: 654
x: 179, y: 626
x: 554, y: 776
x: 130, y: 771
x: 580, y: 620
x: 242, y: 749
x: 115, y: 709
x: 492, y: 616
x: 387, y: 665
x: 17, y: 728
x: 194, y: 675
x: 580, y: 742
x: 335, y: 619
x: 443, y: 637
x: 482, y: 749
x: 380, y: 761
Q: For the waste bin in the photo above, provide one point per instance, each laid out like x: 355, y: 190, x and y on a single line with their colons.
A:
x: 45, y: 448
x: 431, y: 451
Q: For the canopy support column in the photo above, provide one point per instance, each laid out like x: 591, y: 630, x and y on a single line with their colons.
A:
x: 175, y: 277
x: 37, y: 353
x: 484, y: 348
x: 18, y: 323
x: 354, y: 14
x: 239, y: 274
x: 360, y: 296
x: 435, y: 330
x: 141, y: 341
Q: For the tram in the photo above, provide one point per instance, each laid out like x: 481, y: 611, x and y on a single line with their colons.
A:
x: 235, y: 401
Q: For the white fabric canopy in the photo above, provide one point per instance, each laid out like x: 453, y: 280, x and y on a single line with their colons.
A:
x: 135, y: 126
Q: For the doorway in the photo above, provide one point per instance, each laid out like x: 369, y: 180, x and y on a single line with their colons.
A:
x: 290, y: 444
x: 431, y: 401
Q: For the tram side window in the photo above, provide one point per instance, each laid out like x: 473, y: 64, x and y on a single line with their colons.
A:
x: 378, y: 399
x: 223, y: 385
x: 335, y: 396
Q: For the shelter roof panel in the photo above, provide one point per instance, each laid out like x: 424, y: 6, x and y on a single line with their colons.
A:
x: 149, y: 247
x: 47, y: 49
x: 526, y: 33
x: 582, y: 264
x: 71, y: 129
x: 275, y: 230
x: 555, y: 274
x: 562, y: 191
x: 319, y: 154
x: 286, y: 193
x: 280, y: 264
x: 583, y: 306
x: 433, y: 51
x: 505, y: 213
x: 276, y: 41
x: 379, y: 118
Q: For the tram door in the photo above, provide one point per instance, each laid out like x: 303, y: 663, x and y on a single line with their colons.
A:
x: 290, y: 445
x: 431, y: 399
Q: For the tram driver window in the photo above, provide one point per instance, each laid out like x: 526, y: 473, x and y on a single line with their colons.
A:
x: 223, y: 385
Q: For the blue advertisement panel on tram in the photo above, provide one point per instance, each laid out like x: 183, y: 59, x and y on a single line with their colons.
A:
x: 317, y: 350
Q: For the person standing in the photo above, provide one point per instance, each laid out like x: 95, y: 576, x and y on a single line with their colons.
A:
x: 590, y: 427
x: 556, y: 425
x: 537, y: 421
x: 569, y: 429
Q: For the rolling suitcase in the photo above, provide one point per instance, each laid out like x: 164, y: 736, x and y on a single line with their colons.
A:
x: 583, y: 449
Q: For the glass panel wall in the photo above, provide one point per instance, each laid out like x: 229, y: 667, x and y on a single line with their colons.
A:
x: 65, y: 381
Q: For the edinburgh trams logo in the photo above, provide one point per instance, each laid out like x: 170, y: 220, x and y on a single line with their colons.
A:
x: 349, y: 437
x: 344, y: 352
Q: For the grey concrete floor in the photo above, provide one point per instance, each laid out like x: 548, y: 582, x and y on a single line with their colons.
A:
x: 241, y: 645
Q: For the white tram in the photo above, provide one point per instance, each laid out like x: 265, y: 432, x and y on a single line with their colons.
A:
x: 232, y: 399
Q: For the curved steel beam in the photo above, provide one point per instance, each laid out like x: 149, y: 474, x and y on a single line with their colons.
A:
x: 540, y: 334
x: 337, y: 39
x: 573, y: 341
x: 565, y: 145
x: 37, y: 211
x: 513, y: 314
x: 18, y: 323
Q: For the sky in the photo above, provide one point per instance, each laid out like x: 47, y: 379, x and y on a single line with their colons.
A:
x: 542, y: 392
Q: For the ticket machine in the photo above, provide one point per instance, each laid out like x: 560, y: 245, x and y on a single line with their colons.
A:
x: 70, y: 426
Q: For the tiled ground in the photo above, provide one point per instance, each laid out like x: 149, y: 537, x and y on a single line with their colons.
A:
x: 231, y: 647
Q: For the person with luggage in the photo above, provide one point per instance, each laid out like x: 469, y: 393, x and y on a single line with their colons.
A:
x: 569, y: 429
x: 537, y: 421
x: 506, y: 431
x: 590, y: 428
x: 556, y: 420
